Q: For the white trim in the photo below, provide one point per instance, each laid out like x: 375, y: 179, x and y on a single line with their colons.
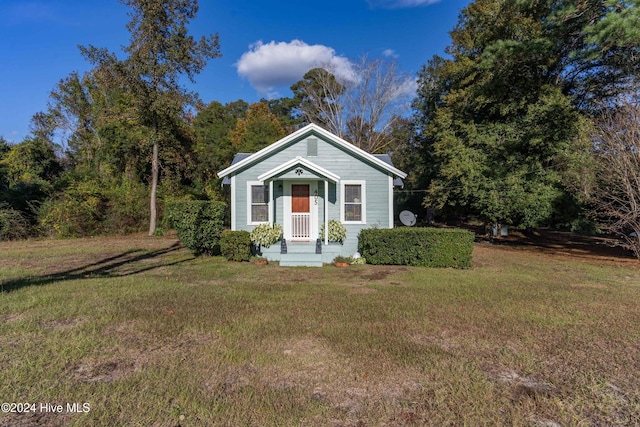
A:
x: 326, y: 212
x: 270, y: 204
x: 322, y: 132
x: 299, y: 161
x: 363, y: 202
x: 249, y: 202
x: 390, y: 201
x: 233, y: 203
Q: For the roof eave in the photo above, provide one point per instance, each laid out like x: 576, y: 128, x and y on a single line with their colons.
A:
x: 312, y: 128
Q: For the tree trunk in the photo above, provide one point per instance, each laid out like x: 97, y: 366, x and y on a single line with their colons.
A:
x: 154, y: 187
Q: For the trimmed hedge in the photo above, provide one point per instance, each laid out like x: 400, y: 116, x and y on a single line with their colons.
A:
x: 427, y: 247
x: 236, y: 245
x: 199, y: 224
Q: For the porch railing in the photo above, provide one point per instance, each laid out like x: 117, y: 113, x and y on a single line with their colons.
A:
x: 300, y: 225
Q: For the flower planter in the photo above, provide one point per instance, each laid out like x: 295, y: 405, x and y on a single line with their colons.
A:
x: 261, y: 262
x: 341, y: 264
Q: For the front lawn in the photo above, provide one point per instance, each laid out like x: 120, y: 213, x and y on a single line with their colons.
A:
x: 145, y: 334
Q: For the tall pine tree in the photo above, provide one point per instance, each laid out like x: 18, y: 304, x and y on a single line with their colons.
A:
x: 160, y: 52
x: 504, y: 118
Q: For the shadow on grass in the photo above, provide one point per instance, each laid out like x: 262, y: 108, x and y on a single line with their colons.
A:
x: 125, y: 264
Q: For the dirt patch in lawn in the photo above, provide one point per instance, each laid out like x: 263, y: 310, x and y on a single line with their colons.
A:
x: 601, y: 249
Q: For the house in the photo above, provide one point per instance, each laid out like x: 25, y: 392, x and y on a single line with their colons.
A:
x: 304, y: 180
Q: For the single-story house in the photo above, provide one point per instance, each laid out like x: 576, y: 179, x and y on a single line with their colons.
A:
x: 304, y: 180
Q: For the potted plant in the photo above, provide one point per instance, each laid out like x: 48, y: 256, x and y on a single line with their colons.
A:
x: 341, y: 261
x: 258, y: 260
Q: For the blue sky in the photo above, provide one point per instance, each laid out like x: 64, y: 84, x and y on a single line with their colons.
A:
x: 266, y: 45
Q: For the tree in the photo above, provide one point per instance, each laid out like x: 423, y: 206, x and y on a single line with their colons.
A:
x: 504, y: 119
x: 259, y: 128
x: 615, y: 194
x: 285, y: 109
x: 160, y: 52
x: 363, y: 107
x: 375, y: 101
x: 214, y: 149
x: 319, y: 99
x: 28, y: 171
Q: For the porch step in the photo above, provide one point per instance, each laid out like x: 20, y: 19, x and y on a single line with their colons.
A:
x: 301, y: 260
x: 301, y: 255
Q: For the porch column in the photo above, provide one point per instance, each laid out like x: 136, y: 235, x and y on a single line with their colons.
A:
x: 326, y: 212
x: 272, y: 204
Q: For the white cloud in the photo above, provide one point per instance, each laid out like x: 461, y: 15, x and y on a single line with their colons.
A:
x: 409, y: 88
x: 389, y: 53
x: 399, y: 4
x: 276, y: 64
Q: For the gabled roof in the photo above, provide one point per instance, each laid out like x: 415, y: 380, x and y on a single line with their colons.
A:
x: 311, y: 128
x: 237, y: 158
x: 397, y: 181
x: 299, y: 161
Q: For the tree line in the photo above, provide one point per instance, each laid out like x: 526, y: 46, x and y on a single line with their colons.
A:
x: 512, y: 126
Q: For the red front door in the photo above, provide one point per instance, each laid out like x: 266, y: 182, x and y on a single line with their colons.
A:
x: 300, y: 198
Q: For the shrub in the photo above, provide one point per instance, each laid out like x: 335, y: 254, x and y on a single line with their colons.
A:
x: 236, y: 245
x: 337, y: 231
x: 358, y: 261
x: 429, y: 247
x: 13, y: 224
x: 91, y: 206
x: 79, y: 211
x: 199, y: 224
x: 128, y: 208
x: 266, y: 234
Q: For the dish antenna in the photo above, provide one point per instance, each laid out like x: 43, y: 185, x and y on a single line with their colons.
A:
x: 408, y: 218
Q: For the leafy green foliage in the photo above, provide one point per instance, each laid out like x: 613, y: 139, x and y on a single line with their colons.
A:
x: 358, y: 261
x: 79, y: 211
x: 199, y: 224
x: 33, y: 160
x: 213, y: 143
x: 428, y: 247
x: 160, y: 52
x: 236, y: 245
x: 13, y: 224
x: 318, y: 98
x: 257, y: 129
x: 90, y: 206
x: 504, y: 121
x: 337, y: 231
x: 266, y: 234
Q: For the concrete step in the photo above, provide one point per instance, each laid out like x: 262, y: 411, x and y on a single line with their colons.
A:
x: 301, y: 248
x: 300, y: 259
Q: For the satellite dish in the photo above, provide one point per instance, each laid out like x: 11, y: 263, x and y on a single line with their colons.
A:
x: 408, y: 218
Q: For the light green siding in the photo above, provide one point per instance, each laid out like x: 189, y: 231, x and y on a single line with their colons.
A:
x: 333, y: 158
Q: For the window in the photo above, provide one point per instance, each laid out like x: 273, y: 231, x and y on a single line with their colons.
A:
x: 259, y: 202
x: 353, y: 204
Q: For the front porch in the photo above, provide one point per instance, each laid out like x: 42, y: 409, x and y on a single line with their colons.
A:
x: 302, y: 254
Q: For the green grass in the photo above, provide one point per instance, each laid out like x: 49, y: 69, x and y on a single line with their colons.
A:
x: 149, y: 335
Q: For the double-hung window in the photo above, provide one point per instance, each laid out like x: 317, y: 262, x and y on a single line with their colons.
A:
x: 258, y: 203
x: 353, y: 202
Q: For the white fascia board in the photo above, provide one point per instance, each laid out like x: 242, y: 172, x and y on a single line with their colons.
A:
x: 300, y: 161
x: 307, y: 129
x: 266, y: 150
x: 358, y: 151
